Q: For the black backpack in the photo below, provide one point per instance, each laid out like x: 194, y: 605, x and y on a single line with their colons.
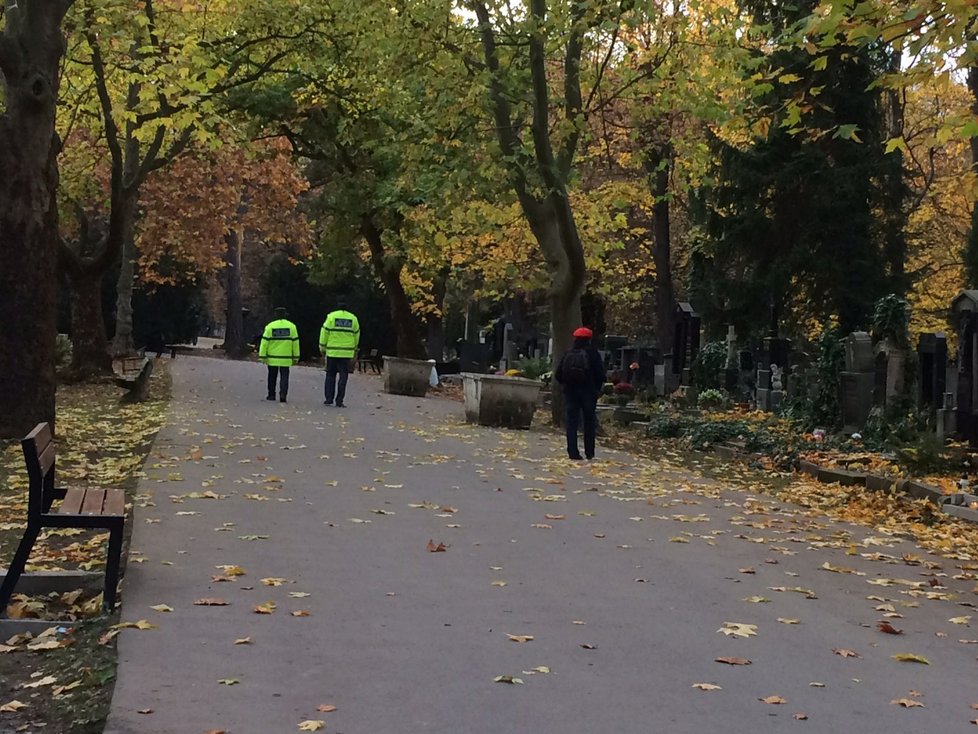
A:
x: 577, y: 368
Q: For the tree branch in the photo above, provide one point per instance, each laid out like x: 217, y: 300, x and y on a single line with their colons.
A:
x: 540, y: 126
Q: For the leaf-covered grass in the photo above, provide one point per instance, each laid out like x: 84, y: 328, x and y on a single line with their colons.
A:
x: 100, y: 443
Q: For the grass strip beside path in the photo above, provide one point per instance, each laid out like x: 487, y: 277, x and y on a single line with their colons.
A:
x: 101, y: 443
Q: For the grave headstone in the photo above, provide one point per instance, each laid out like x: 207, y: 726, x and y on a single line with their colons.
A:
x: 964, y: 309
x: 858, y: 381
x: 932, y: 370
x: 686, y: 340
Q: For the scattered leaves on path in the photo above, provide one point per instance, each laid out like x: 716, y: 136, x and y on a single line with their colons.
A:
x: 738, y: 629
x: 312, y: 725
x: 908, y: 703
x: 432, y: 548
x: 846, y: 653
x: 211, y: 602
x: 508, y: 679
x: 910, y: 657
x: 706, y: 687
x: 775, y: 700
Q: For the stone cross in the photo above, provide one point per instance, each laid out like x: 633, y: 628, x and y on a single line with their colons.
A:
x: 731, y: 347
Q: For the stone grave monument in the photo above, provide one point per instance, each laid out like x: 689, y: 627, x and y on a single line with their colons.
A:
x: 964, y: 309
x: 858, y: 381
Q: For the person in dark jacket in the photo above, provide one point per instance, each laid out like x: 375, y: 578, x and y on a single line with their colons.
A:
x: 581, y: 374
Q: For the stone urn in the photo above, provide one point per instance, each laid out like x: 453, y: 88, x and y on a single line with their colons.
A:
x: 404, y: 376
x: 497, y: 400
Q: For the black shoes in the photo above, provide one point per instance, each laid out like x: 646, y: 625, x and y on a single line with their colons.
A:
x: 340, y: 405
x: 575, y: 457
x: 282, y: 399
x: 269, y: 397
x: 327, y: 402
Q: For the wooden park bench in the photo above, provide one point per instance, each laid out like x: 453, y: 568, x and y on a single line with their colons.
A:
x: 79, y: 508
x: 132, y: 373
x: 372, y: 359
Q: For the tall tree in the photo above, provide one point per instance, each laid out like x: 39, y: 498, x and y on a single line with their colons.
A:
x: 540, y: 174
x: 31, y: 48
x: 793, y: 219
x: 154, y: 86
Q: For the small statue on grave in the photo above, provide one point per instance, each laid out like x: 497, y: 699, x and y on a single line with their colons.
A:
x: 776, y: 374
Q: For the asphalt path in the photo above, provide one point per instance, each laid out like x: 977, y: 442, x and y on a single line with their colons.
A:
x: 623, y: 572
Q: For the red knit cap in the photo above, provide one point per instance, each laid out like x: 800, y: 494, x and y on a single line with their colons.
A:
x: 583, y: 333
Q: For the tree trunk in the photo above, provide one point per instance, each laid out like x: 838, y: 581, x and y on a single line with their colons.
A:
x: 971, y: 246
x: 123, y: 343
x: 409, y: 343
x: 31, y: 48
x: 234, y: 345
x: 659, y: 166
x: 436, y: 319
x: 89, y: 343
x: 553, y: 228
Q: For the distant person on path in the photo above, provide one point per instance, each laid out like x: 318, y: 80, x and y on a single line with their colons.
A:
x: 338, y: 341
x: 581, y: 374
x: 279, y: 350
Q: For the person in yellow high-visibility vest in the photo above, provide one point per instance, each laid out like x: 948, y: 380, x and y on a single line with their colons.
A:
x: 338, y: 341
x: 279, y: 350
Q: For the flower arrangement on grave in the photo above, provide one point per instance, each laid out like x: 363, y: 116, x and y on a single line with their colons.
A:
x: 624, y: 392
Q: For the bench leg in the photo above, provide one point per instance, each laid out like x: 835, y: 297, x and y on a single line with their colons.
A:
x: 16, y: 567
x: 112, y: 568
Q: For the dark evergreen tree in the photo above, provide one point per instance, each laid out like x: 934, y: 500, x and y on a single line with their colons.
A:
x: 802, y: 219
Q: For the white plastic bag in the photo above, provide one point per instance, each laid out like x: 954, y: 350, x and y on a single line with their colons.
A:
x: 433, y: 378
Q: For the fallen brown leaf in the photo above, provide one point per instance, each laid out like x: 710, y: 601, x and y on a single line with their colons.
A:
x: 326, y: 708
x: 734, y: 661
x: 888, y: 628
x: 211, y: 602
x: 773, y: 700
x: 845, y: 653
x: 908, y: 703
x: 432, y: 548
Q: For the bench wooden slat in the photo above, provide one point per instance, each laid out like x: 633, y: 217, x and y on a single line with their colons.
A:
x: 41, y: 436
x: 94, y: 500
x: 115, y: 502
x: 72, y: 503
x: 45, y: 458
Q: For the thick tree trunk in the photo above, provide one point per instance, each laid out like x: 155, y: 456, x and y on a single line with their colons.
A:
x: 234, y: 344
x: 90, y: 345
x: 123, y: 343
x: 555, y: 232
x: 659, y: 166
x: 31, y: 48
x: 409, y: 343
x: 971, y: 246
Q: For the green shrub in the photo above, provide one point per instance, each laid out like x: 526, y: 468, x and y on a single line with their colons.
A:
x: 533, y: 368
x: 704, y: 434
x: 707, y: 369
x: 713, y: 398
x: 664, y: 426
x: 62, y: 351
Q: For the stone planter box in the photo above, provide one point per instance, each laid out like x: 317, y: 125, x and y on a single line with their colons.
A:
x: 407, y: 376
x: 496, y: 400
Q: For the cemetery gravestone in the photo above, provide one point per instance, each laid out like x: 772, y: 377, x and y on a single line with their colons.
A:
x: 858, y: 381
x: 965, y: 311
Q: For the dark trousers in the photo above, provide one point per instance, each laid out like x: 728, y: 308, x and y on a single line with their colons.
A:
x: 273, y: 372
x: 580, y: 403
x: 336, y: 366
